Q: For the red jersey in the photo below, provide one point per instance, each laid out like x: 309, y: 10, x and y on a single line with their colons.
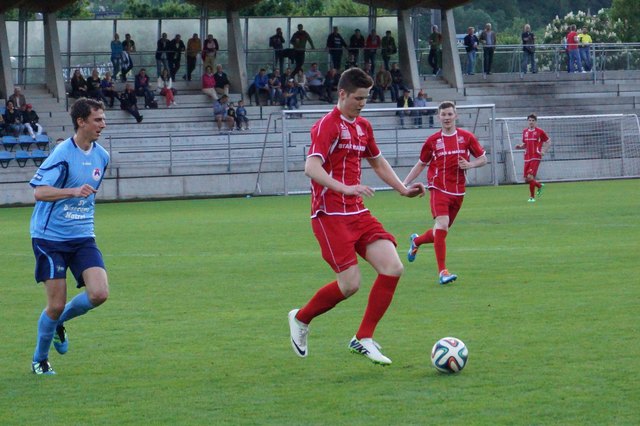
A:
x: 442, y: 152
x: 532, y: 139
x: 342, y: 144
x: 571, y: 40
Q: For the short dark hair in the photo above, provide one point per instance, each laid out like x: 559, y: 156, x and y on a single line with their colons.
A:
x: 354, y: 79
x: 532, y: 115
x: 445, y: 105
x: 82, y: 108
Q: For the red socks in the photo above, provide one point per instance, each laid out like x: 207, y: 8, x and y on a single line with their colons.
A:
x: 379, y: 300
x: 440, y: 247
x: 324, y: 300
x: 425, y: 238
x: 533, y: 184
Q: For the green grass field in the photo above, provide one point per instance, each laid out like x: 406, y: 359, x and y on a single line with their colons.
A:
x: 195, y: 330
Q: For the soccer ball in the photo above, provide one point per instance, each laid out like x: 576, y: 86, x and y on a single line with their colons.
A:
x: 449, y: 355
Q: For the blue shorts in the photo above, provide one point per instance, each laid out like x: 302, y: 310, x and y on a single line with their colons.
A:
x: 54, y: 257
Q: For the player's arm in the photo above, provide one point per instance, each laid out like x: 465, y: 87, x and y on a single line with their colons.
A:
x: 50, y: 193
x: 314, y: 170
x: 476, y: 162
x: 385, y: 172
x: 545, y: 146
x: 415, y: 172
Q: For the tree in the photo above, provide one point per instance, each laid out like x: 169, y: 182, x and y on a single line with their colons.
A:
x: 601, y: 27
x: 627, y: 11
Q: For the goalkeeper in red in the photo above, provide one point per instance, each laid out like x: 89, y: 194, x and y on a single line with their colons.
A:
x: 447, y: 155
x: 535, y: 143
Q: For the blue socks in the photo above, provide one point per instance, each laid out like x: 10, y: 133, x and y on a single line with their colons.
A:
x: 79, y: 305
x: 46, y: 328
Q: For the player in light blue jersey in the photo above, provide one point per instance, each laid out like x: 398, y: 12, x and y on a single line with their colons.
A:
x: 62, y: 231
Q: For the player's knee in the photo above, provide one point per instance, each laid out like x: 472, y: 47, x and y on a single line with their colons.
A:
x: 98, y: 297
x: 55, y: 309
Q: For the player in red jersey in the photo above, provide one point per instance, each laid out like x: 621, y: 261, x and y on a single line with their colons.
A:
x: 535, y: 142
x: 447, y: 155
x: 343, y: 226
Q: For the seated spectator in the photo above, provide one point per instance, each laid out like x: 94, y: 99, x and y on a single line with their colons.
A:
x: 108, y: 88
x: 286, y: 76
x: 242, y: 121
x: 30, y: 119
x: 220, y: 113
x: 261, y: 84
x: 165, y: 87
x: 397, y: 84
x: 94, y: 87
x: 301, y: 84
x: 209, y: 83
x: 421, y: 101
x: 13, y: 120
x: 290, y: 95
x: 143, y: 88
x: 314, y: 80
x: 129, y: 102
x: 79, y: 87
x: 275, y: 87
x: 330, y: 84
x: 405, y: 102
x: 382, y: 83
x: 369, y: 70
x: 222, y: 81
x: 18, y: 98
x: 351, y: 62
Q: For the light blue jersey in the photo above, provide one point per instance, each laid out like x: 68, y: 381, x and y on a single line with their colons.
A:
x: 68, y: 167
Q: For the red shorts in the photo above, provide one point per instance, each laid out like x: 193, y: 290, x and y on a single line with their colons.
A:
x: 342, y: 237
x: 531, y: 168
x: 443, y: 204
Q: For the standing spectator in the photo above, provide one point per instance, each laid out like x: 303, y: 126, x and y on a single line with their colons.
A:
x: 447, y: 154
x: 435, y: 49
x: 222, y: 81
x: 471, y: 46
x: 165, y: 87
x: 299, y: 42
x: 406, y: 103
x: 62, y: 230
x: 209, y: 83
x: 397, y: 84
x: 129, y: 47
x: 356, y: 44
x: 314, y: 79
x: 174, y: 55
x: 584, y: 47
x: 162, y: 59
x: 220, y: 113
x: 575, y: 64
x: 382, y: 83
x: 488, y: 40
x: 335, y: 44
x: 18, y: 99
x: 261, y: 85
x: 78, y: 85
x: 302, y: 85
x: 94, y: 87
x: 242, y: 121
x: 536, y: 143
x: 108, y: 88
x: 210, y: 49
x: 13, y: 120
x: 275, y: 87
x: 116, y: 53
x: 528, y: 50
x: 143, y: 88
x: 194, y: 47
x: 290, y: 95
x: 30, y: 120
x: 343, y: 226
x: 388, y: 48
x: 276, y: 42
x: 129, y: 102
x: 371, y: 46
x: 330, y: 84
